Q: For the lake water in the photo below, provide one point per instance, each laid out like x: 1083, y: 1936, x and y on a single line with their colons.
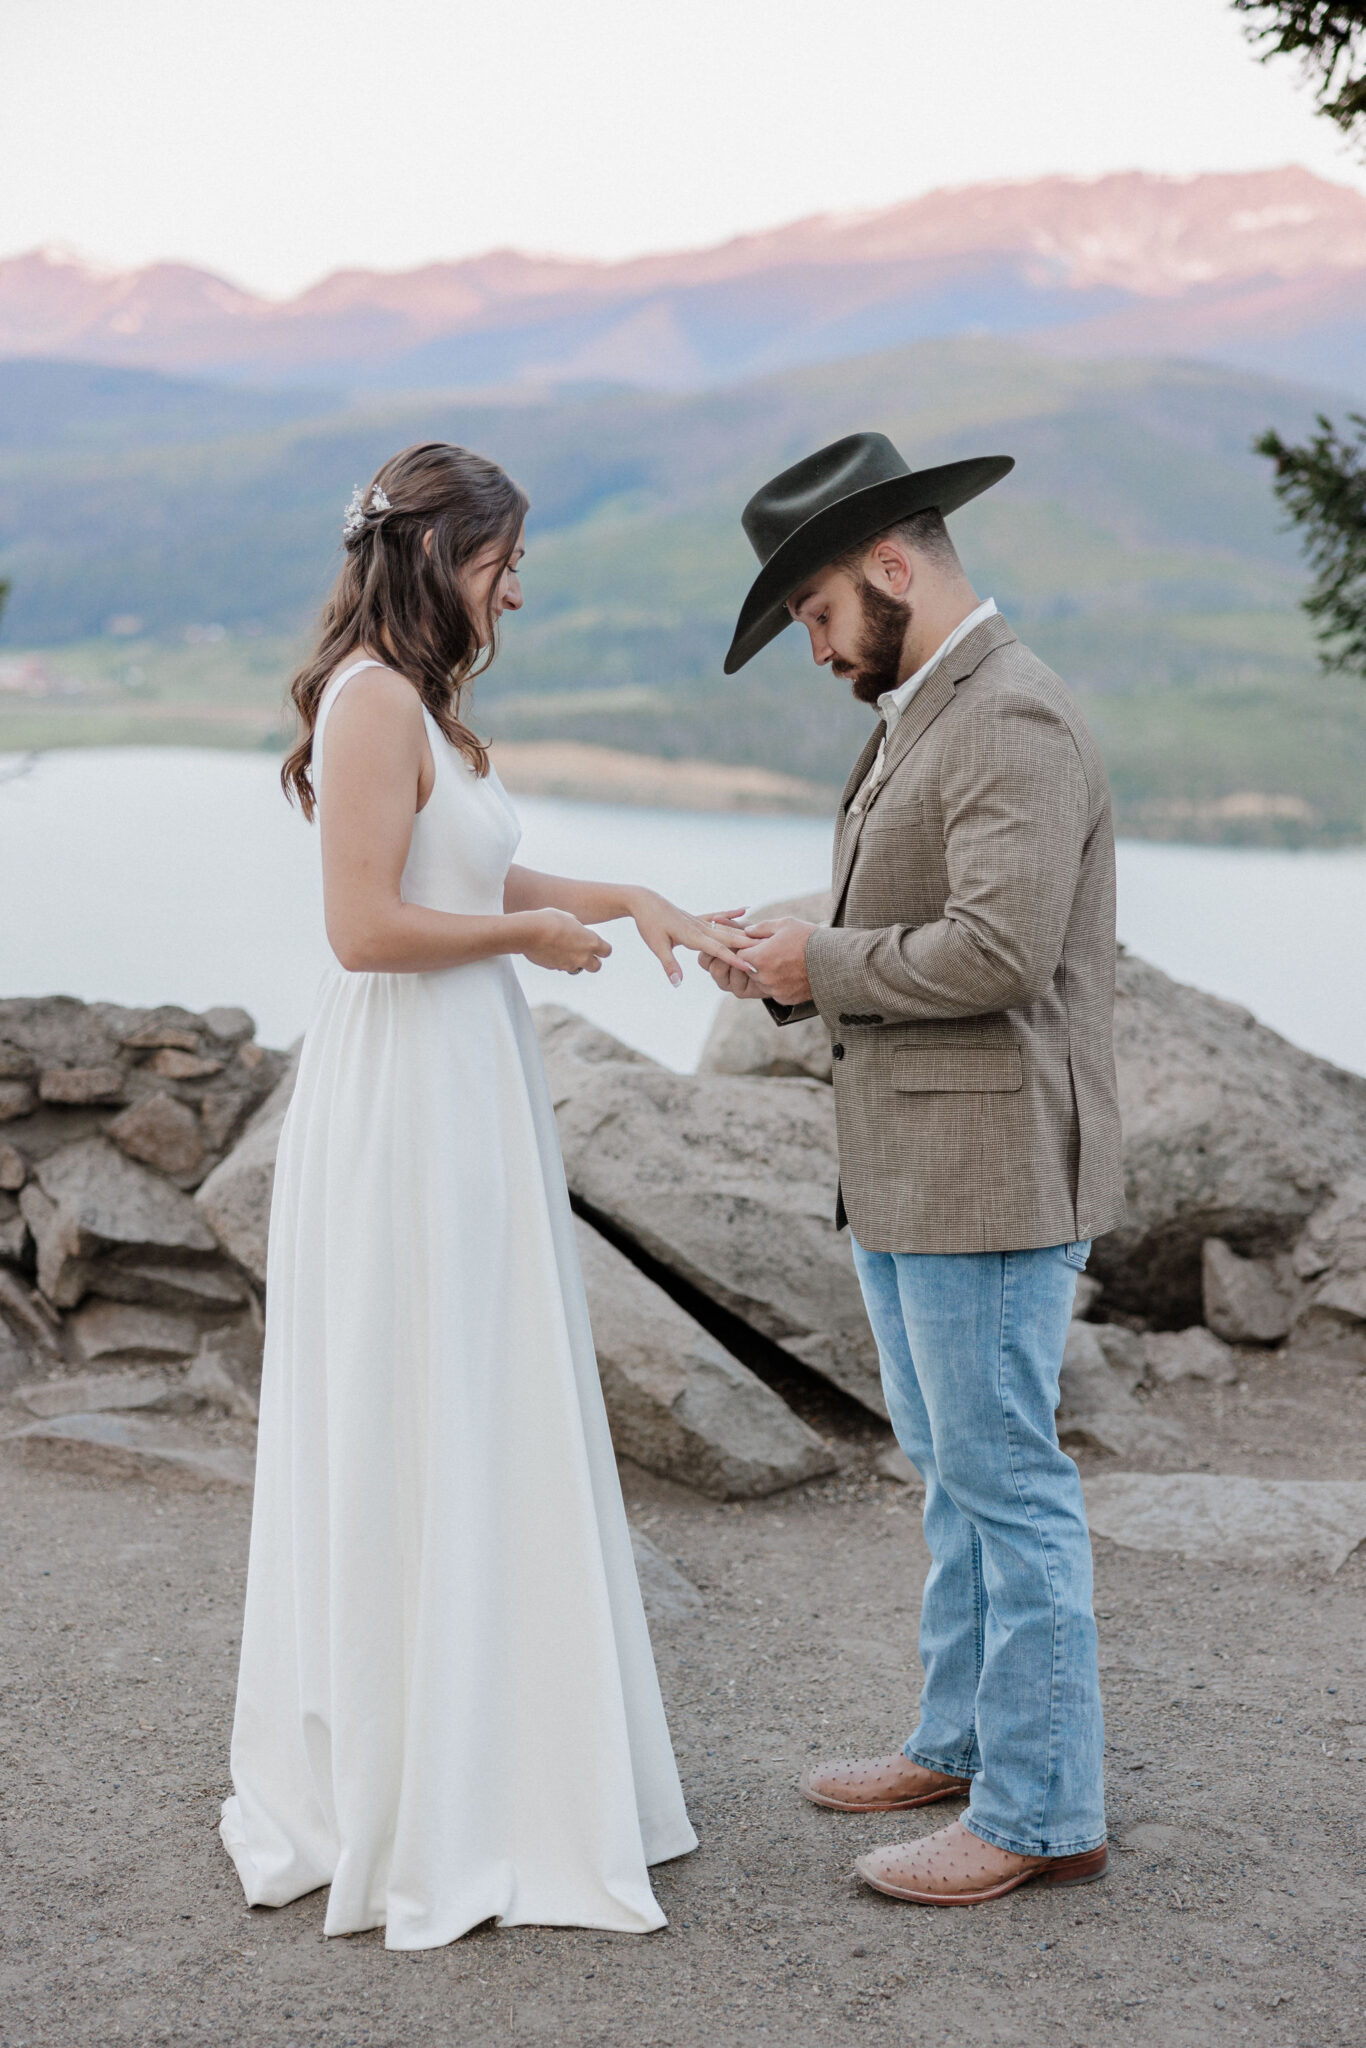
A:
x: 146, y: 875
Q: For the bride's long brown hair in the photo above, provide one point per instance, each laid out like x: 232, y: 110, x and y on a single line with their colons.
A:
x: 402, y: 595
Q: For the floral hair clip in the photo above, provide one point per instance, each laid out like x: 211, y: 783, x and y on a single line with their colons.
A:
x: 358, y: 508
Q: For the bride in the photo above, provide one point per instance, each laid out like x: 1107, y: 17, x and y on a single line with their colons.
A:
x: 447, y: 1706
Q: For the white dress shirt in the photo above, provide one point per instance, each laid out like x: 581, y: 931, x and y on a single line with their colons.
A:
x: 893, y: 702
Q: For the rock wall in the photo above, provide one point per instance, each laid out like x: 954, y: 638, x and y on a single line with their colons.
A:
x: 109, y: 1118
x: 137, y: 1161
x: 137, y: 1153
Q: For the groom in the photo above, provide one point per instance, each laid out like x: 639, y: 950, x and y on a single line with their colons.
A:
x: 967, y: 980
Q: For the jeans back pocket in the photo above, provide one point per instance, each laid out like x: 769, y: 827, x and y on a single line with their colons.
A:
x: 1077, y: 1254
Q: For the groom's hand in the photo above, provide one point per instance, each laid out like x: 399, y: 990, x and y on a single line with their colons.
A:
x: 733, y: 980
x: 778, y: 958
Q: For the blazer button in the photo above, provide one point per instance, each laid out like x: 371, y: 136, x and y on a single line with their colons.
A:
x: 837, y: 1052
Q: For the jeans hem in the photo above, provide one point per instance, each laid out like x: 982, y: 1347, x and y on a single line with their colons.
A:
x: 1017, y: 1847
x: 947, y: 1769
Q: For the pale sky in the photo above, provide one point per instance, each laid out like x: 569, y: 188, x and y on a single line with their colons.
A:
x: 276, y: 140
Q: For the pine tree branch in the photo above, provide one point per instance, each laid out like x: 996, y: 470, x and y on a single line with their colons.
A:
x: 1328, y: 37
x: 1322, y: 485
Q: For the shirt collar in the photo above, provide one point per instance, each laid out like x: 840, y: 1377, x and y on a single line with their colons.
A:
x: 893, y: 702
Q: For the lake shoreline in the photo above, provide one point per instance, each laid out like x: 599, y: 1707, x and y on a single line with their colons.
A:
x: 172, y: 874
x: 581, y: 771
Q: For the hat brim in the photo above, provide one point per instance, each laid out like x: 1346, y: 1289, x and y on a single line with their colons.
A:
x: 836, y: 528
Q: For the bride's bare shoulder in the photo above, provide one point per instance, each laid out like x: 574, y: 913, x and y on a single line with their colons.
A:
x: 377, y: 697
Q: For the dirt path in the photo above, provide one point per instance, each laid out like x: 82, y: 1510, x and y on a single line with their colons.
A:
x: 1233, y: 1912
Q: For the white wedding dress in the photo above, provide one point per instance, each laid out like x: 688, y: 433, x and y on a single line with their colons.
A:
x: 447, y: 1707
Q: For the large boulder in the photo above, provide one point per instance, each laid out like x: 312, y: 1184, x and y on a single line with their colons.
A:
x: 1243, y: 1521
x: 1229, y: 1132
x: 1330, y: 1263
x: 132, y: 1446
x: 1097, y: 1408
x: 729, y: 1184
x: 1247, y: 1301
x: 745, y: 1040
x: 678, y: 1403
x: 88, y: 1203
x: 235, y: 1199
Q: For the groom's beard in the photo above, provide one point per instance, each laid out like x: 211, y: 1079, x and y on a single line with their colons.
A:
x: 881, y: 641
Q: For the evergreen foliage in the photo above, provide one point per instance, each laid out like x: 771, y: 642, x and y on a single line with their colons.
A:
x: 1328, y: 37
x: 1322, y: 481
x: 1322, y: 484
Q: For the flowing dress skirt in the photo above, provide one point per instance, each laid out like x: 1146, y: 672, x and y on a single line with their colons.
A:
x: 447, y: 1707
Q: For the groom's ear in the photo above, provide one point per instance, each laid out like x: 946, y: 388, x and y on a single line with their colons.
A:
x: 890, y: 565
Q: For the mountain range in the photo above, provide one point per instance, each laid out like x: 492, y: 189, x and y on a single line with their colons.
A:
x: 1261, y: 270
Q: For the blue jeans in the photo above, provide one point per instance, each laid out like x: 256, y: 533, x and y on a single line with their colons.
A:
x: 971, y: 1348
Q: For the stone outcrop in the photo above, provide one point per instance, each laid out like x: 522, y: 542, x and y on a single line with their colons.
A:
x: 104, y: 1257
x: 1233, y: 1139
x: 121, y: 1330
x: 677, y: 1402
x: 1246, y: 1521
x: 136, y: 1175
x: 73, y: 1068
x: 89, y: 1205
x: 108, y: 1393
x: 165, y: 1133
x: 136, y: 1446
x: 1097, y: 1410
x: 1229, y: 1132
x: 235, y: 1199
x: 1246, y: 1301
x: 729, y: 1184
x: 1330, y: 1263
x: 1194, y: 1354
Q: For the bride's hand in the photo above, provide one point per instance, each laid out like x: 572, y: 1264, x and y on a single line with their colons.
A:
x: 663, y: 926
x: 556, y: 939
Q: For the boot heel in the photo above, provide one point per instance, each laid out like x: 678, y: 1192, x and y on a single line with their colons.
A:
x: 1084, y: 1869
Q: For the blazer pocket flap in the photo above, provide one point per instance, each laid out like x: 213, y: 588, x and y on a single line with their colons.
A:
x: 978, y: 1069
x: 891, y: 815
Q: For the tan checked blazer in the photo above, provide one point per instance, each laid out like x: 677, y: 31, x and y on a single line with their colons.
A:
x: 967, y: 975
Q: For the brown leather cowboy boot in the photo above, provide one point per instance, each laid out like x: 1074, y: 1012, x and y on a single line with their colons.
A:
x: 954, y: 1867
x: 882, y: 1784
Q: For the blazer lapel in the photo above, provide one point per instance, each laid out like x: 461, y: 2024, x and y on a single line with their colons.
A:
x: 933, y: 696
x: 938, y: 691
x: 929, y: 700
x: 848, y: 824
x: 858, y: 774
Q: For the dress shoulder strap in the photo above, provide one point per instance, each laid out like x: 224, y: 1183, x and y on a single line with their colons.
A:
x: 329, y: 697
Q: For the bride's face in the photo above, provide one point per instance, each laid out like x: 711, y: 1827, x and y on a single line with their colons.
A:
x: 492, y: 585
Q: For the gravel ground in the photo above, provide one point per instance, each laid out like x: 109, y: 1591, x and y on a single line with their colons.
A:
x: 1233, y: 1912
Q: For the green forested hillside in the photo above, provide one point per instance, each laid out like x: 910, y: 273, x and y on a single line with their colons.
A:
x: 1136, y: 546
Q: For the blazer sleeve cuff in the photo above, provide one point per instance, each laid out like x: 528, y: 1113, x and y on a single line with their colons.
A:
x: 790, y: 1013
x: 835, y: 967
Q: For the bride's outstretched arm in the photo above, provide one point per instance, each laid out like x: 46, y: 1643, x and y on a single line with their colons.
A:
x: 377, y: 761
x: 660, y: 923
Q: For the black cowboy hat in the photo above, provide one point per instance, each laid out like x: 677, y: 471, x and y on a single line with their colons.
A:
x: 828, y: 503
